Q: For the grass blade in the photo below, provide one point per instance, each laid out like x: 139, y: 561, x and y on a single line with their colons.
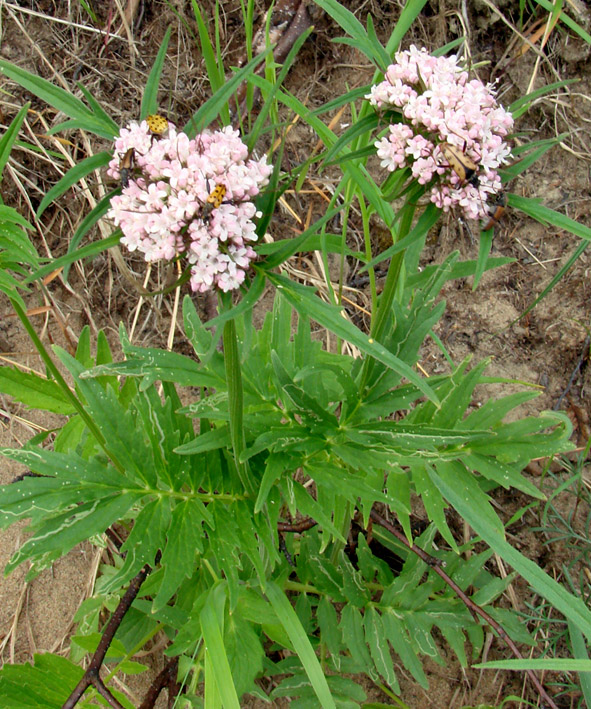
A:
x: 150, y: 97
x: 301, y: 644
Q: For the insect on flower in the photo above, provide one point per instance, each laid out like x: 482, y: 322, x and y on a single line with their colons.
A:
x: 158, y: 125
x: 462, y: 164
x: 213, y: 201
x: 126, y: 166
x: 498, y: 209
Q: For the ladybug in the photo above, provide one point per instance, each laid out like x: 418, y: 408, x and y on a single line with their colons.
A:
x: 213, y: 201
x: 158, y: 125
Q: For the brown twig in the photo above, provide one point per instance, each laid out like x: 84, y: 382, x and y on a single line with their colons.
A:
x: 162, y: 680
x: 300, y: 526
x: 92, y: 676
x: 474, y: 609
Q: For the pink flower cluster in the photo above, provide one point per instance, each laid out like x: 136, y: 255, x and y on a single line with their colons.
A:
x: 441, y: 107
x: 193, y: 197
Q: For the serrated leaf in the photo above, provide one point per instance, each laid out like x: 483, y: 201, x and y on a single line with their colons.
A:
x: 44, y: 685
x: 63, y: 531
x: 455, y: 639
x: 148, y: 529
x: 329, y: 631
x: 351, y: 626
x: 379, y: 648
x: 325, y: 576
x: 244, y: 650
x: 275, y: 465
x: 419, y: 630
x: 396, y: 633
x: 34, y: 391
x: 433, y: 501
x: 353, y: 586
x: 249, y: 543
x: 185, y: 536
x: 370, y: 564
x: 308, y: 506
x: 506, y: 475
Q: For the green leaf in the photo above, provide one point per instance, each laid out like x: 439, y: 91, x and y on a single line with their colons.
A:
x: 581, y: 653
x: 433, y: 501
x: 329, y: 632
x: 97, y: 108
x: 523, y: 103
x: 58, y: 98
x: 428, y: 218
x: 74, y: 175
x: 352, y: 631
x: 185, y: 536
x: 209, y: 111
x: 219, y: 664
x: 551, y: 664
x: 9, y: 138
x: 63, y: 531
x: 301, y: 644
x: 275, y: 465
x: 46, y: 684
x: 454, y: 473
x: 212, y: 440
x: 34, y: 391
x: 148, y: 531
x: 356, y: 31
x: 506, y: 475
x: 85, y: 252
x: 244, y: 650
x: 545, y: 215
x: 411, y: 10
x: 215, y: 73
x: 379, y: 648
x: 397, y: 634
x: 454, y: 637
x: 353, y: 586
x: 573, y: 608
x: 150, y: 97
x: 309, y: 507
x: 307, y: 303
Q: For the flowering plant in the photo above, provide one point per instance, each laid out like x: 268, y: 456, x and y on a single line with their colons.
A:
x: 444, y: 116
x: 189, y: 196
x: 263, y: 487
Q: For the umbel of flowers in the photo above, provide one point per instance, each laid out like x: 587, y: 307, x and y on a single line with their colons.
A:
x: 443, y: 113
x: 188, y: 197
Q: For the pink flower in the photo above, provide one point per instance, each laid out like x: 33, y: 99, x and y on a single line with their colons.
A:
x: 190, y: 197
x: 440, y: 105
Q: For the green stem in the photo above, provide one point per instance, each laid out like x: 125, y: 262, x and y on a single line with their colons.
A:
x: 61, y: 382
x: 236, y: 402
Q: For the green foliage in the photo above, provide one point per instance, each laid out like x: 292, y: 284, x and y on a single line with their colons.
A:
x: 302, y: 410
x: 47, y: 683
